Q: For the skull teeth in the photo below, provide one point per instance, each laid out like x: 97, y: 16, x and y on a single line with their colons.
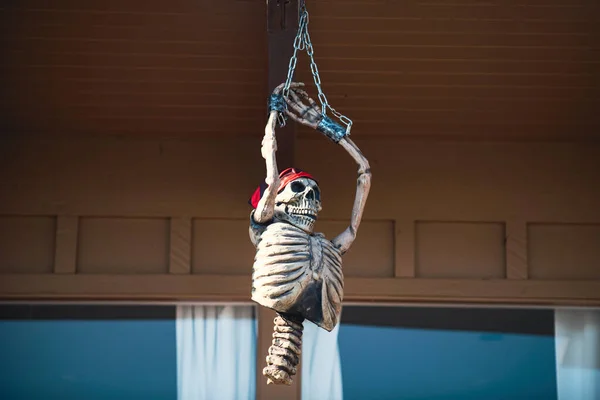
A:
x: 309, y: 212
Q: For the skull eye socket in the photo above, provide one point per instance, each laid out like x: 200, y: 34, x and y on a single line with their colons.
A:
x: 317, y: 194
x: 297, y: 186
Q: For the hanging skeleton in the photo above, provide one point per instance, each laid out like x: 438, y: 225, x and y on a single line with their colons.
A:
x: 297, y: 272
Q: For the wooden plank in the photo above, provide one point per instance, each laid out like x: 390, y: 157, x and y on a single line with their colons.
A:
x: 180, y: 255
x: 470, y: 291
x: 123, y: 245
x: 563, y: 251
x: 120, y: 163
x: 65, y: 257
x: 125, y: 287
x: 237, y: 288
x: 460, y: 250
x: 405, y: 249
x: 27, y: 242
x: 516, y: 250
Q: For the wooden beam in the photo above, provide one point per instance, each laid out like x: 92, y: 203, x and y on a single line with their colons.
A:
x: 404, y: 248
x: 473, y: 291
x: 516, y: 250
x: 65, y: 256
x: 175, y: 287
x: 142, y: 287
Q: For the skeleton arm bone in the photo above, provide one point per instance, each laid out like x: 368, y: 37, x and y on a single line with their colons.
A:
x: 310, y: 115
x: 345, y: 239
x: 266, y: 206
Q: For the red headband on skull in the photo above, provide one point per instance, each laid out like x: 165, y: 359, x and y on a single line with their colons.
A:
x: 285, y: 177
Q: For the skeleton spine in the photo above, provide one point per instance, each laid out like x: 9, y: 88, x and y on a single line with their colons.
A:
x: 284, y: 353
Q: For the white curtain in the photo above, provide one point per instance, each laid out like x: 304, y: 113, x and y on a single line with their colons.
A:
x: 321, y: 367
x: 577, y: 339
x: 216, y: 352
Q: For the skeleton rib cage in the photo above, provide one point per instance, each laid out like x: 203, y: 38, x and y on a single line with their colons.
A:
x: 299, y: 275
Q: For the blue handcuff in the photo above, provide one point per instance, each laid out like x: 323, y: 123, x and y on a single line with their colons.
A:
x: 331, y: 129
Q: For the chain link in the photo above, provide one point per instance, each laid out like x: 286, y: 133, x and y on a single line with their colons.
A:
x: 302, y: 42
x: 298, y: 45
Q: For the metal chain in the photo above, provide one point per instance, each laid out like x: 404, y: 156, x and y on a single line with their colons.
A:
x: 298, y: 45
x: 302, y: 42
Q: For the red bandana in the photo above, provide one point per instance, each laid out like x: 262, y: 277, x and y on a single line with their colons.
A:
x: 285, y: 177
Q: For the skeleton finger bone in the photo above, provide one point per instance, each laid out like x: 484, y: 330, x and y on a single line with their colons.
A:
x: 308, y: 112
x: 300, y: 120
x: 295, y: 103
x: 307, y: 115
x: 279, y: 88
x: 304, y: 95
x: 293, y: 85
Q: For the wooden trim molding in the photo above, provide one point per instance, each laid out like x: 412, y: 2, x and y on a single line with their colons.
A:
x: 404, y: 248
x: 237, y: 288
x: 65, y: 256
x: 486, y: 291
x: 516, y: 250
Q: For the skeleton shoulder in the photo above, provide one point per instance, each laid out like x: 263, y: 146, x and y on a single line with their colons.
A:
x: 322, y: 237
x: 256, y: 229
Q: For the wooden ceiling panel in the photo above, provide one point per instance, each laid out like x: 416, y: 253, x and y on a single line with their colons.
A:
x: 470, y: 69
x: 527, y: 70
x: 117, y: 67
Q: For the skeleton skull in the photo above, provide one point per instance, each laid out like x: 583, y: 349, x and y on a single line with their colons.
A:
x: 299, y: 203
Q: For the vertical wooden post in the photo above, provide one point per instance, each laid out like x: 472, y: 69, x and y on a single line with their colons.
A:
x: 180, y: 253
x: 282, y: 26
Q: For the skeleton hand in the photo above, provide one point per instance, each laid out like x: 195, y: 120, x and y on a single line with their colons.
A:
x: 269, y: 143
x: 309, y: 115
x: 277, y: 101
